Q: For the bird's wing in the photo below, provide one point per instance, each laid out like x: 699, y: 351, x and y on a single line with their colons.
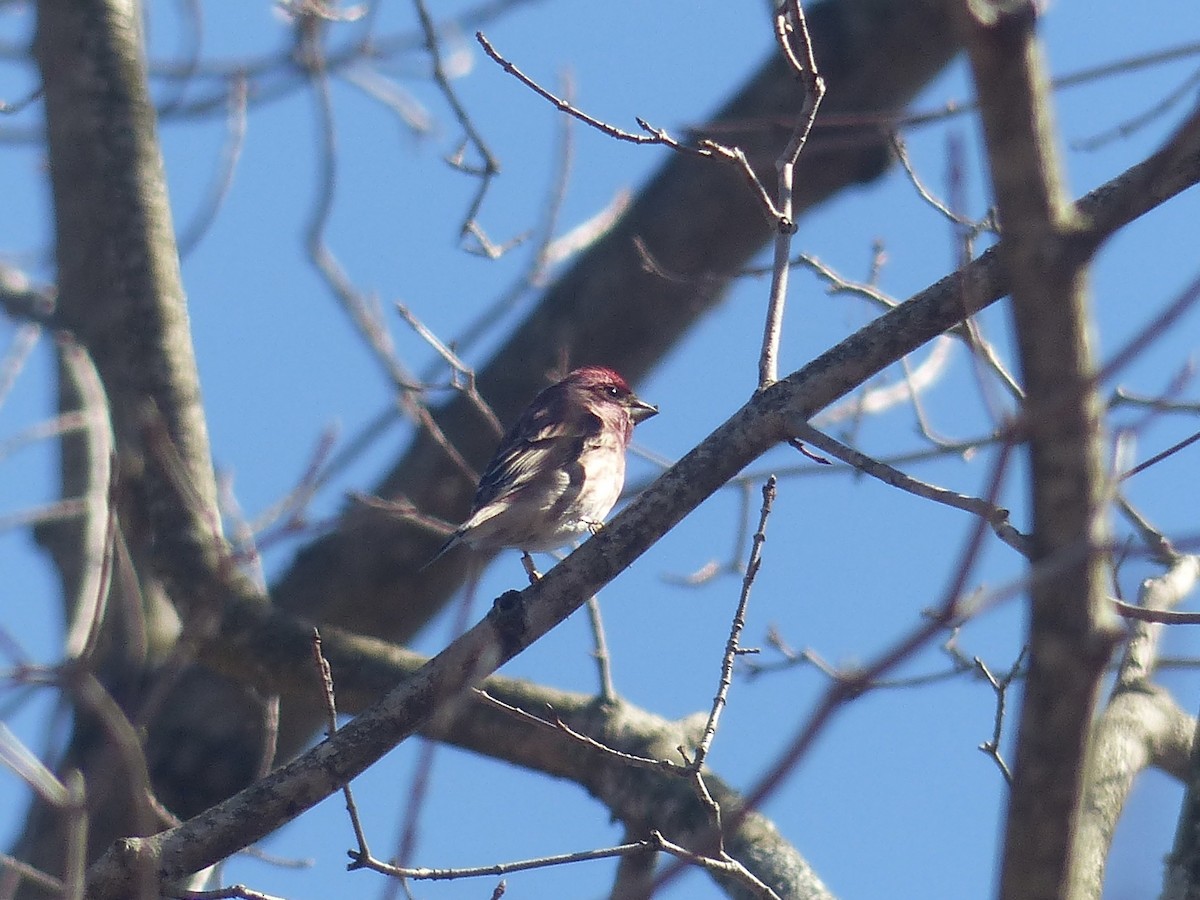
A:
x: 538, y: 442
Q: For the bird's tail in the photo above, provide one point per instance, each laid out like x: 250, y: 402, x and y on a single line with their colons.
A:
x: 451, y: 542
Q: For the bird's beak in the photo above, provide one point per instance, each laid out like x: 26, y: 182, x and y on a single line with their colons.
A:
x: 640, y: 410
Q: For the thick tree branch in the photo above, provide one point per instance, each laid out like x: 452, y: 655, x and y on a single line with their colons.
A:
x: 515, y: 621
x: 1141, y: 726
x: 366, y: 570
x: 1072, y: 631
x: 119, y: 292
x: 771, y: 416
x: 1183, y: 862
x: 698, y: 219
x: 270, y: 654
x: 119, y: 288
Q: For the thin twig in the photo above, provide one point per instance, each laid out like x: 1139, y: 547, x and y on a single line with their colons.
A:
x: 901, y: 151
x: 840, y: 693
x: 995, y: 516
x: 270, y: 736
x: 732, y: 566
x: 705, y: 148
x: 1159, y: 457
x: 30, y: 873
x: 874, y: 400
x: 1156, y: 600
x: 1122, y: 396
x: 426, y: 874
x: 64, y: 423
x: 558, y: 725
x: 652, y: 135
x: 917, y: 380
x: 1156, y: 328
x: 724, y: 865
x: 23, y: 343
x: 12, y: 107
x: 964, y: 330
x: 790, y: 26
x: 733, y: 647
x: 236, y: 121
x: 422, y: 777
x: 93, y: 699
x: 1129, y: 126
x: 99, y: 525
x: 490, y: 167
x: 240, y: 533
x: 1000, y: 686
x: 608, y: 691
x: 326, y: 676
x: 365, y: 318
x: 1157, y: 616
x: 22, y: 762
x: 460, y: 368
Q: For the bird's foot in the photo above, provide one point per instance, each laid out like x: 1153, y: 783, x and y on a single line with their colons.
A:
x: 530, y: 569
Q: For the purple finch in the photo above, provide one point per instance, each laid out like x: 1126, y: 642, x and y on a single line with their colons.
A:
x: 559, y: 469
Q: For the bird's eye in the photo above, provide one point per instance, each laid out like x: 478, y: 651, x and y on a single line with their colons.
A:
x: 613, y: 391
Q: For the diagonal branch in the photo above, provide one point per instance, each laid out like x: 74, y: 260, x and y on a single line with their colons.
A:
x: 517, y: 620
x: 700, y: 220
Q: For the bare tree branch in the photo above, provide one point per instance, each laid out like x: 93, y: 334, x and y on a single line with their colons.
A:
x: 607, y: 307
x: 1072, y: 630
x: 680, y: 218
x: 771, y: 416
x: 1137, y: 727
x: 119, y: 289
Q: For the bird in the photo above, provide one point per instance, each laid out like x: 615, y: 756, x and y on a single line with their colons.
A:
x: 559, y: 469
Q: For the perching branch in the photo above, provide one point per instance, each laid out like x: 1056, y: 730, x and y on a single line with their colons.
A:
x: 518, y: 619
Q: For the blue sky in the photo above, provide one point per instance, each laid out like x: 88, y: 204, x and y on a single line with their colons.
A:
x: 895, y: 784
